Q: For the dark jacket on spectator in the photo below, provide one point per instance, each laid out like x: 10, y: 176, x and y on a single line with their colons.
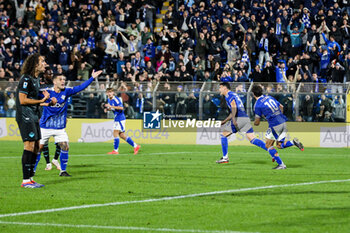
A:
x: 337, y: 75
x: 269, y: 74
x: 258, y: 76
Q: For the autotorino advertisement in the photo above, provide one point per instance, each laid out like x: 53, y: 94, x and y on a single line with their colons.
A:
x: 180, y: 132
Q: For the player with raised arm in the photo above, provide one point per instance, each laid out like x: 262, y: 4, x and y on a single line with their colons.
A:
x: 54, y: 119
x: 272, y: 110
x: 237, y: 121
x: 115, y: 104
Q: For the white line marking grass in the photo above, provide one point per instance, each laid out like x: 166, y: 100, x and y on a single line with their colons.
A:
x: 119, y: 227
x: 170, y: 198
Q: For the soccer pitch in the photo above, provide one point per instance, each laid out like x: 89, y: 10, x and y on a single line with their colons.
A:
x: 178, y: 188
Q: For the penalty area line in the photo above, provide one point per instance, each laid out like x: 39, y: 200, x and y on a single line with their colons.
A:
x: 170, y: 198
x: 129, y: 228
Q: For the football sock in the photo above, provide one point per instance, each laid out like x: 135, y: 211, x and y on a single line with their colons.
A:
x: 286, y: 144
x: 274, y: 155
x: 37, y: 160
x: 26, y: 164
x: 224, y: 145
x: 64, y: 159
x: 131, y: 142
x: 58, y: 151
x: 32, y: 163
x: 278, y: 160
x: 116, y: 144
x: 46, y: 153
x: 259, y: 143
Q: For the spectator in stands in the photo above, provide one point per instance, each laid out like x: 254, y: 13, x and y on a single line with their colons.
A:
x: 306, y: 110
x: 232, y: 49
x: 339, y: 109
x: 84, y: 71
x: 325, y: 109
x: 132, y: 44
x: 257, y: 75
x: 139, y: 106
x: 191, y: 105
x: 63, y: 58
x: 185, y: 76
x: 337, y: 77
x: 129, y: 111
x: 196, y: 35
x: 264, y: 49
x: 169, y: 100
x: 295, y: 37
x: 92, y: 104
x: 137, y: 62
x: 281, y: 72
x: 209, y: 108
x: 111, y: 46
x: 120, y: 63
x: 180, y: 97
x: 269, y: 72
x: 10, y: 104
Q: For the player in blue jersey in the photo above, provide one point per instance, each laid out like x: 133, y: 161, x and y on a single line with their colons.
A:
x: 54, y: 118
x: 272, y: 110
x: 115, y: 104
x: 237, y: 121
x: 45, y: 83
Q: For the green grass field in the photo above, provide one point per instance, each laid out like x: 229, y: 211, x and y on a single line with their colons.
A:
x: 138, y: 185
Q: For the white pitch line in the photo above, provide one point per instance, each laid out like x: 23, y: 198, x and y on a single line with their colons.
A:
x: 120, y: 227
x: 169, y: 198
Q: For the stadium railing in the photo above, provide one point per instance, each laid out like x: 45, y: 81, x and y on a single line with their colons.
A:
x: 202, y: 100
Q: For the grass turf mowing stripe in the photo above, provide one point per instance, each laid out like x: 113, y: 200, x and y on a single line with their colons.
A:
x: 170, y: 198
x: 94, y: 155
x: 120, y: 227
x: 169, y: 153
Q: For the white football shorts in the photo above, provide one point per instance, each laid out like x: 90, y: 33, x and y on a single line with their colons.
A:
x: 119, y: 125
x: 277, y: 132
x: 60, y: 135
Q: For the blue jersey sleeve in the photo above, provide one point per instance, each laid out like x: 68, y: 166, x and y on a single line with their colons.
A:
x: 74, y: 90
x: 257, y: 109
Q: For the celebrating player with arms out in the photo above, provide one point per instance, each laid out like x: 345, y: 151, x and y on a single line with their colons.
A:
x: 54, y: 119
x: 271, y: 109
x: 115, y: 104
x: 238, y: 122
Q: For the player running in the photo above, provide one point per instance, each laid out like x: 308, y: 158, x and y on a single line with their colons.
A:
x: 272, y: 110
x: 54, y: 119
x: 115, y: 104
x: 238, y: 121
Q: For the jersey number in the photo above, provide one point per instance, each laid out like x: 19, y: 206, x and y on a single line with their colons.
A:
x: 272, y: 105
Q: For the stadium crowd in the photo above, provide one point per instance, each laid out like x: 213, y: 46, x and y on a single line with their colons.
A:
x: 282, y: 41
